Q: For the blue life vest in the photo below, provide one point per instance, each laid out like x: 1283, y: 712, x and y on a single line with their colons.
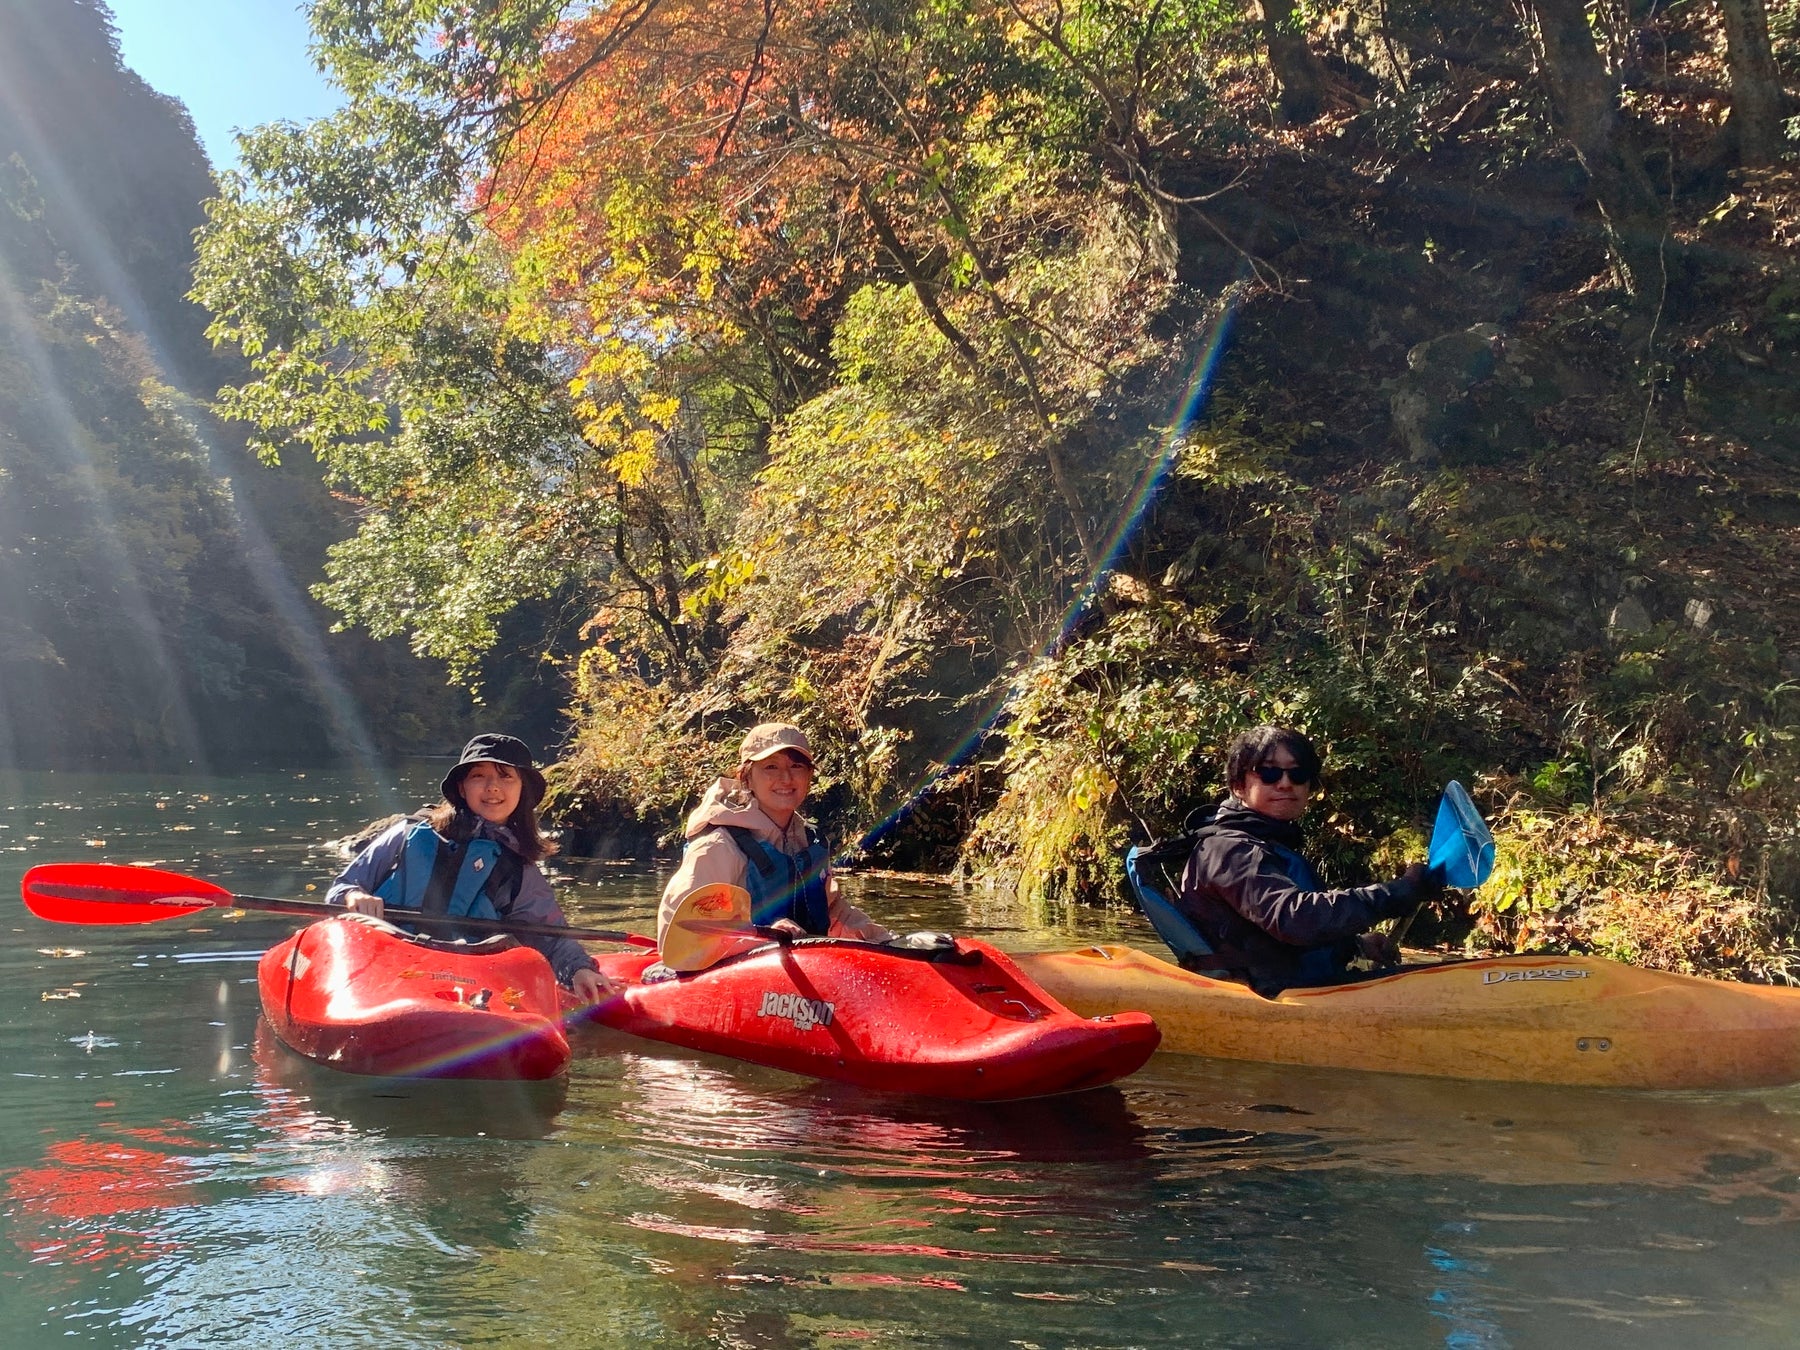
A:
x: 783, y: 885
x: 1147, y: 869
x: 449, y: 876
x: 1297, y: 867
x: 1321, y: 965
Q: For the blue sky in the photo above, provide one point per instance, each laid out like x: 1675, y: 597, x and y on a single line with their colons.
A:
x: 235, y: 63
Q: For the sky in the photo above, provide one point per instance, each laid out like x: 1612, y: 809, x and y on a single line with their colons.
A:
x: 234, y: 63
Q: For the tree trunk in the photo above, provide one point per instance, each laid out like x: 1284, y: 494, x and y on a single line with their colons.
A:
x: 1586, y: 104
x: 1299, y: 78
x: 1756, y: 93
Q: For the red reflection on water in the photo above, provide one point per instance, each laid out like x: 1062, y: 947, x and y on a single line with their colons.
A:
x: 754, y: 1237
x: 925, y: 1281
x: 61, y: 1208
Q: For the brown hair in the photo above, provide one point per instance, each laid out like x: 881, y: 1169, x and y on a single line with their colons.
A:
x: 523, y: 822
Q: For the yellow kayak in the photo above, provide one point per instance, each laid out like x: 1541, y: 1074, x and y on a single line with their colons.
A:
x: 1535, y: 1019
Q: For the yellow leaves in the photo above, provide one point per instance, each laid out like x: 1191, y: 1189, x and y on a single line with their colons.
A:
x: 617, y: 415
x: 1090, y: 787
x: 719, y: 576
x: 632, y: 465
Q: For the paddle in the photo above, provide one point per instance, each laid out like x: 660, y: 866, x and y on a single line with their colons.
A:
x: 113, y: 894
x: 1461, y: 845
x: 711, y: 923
x: 1460, y: 841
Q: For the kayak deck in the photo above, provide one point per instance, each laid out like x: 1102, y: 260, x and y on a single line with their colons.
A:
x: 965, y: 1024
x: 1540, y: 1019
x: 362, y: 996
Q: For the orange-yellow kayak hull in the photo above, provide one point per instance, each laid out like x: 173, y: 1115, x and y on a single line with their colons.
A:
x: 1549, y: 1019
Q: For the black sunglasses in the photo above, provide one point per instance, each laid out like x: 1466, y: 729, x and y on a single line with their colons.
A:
x: 1271, y: 774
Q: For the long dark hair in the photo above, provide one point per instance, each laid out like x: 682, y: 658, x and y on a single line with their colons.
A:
x: 454, y: 821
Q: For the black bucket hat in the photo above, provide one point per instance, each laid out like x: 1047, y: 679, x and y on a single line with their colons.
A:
x: 491, y: 748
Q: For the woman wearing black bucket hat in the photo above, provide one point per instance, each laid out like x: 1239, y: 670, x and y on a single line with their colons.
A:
x: 474, y: 855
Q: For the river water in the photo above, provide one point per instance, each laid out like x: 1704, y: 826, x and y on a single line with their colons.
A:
x: 169, y: 1176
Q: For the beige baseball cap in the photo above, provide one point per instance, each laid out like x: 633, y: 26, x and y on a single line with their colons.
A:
x: 771, y: 738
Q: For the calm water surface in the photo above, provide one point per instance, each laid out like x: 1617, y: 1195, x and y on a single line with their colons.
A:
x: 171, y: 1177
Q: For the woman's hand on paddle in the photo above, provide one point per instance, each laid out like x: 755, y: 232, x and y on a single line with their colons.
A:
x: 363, y: 903
x: 591, y: 986
x: 789, y: 927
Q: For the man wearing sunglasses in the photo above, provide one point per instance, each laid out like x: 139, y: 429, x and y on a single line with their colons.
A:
x: 1258, y: 903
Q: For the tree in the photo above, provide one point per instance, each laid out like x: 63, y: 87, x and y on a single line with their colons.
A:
x: 144, y: 557
x: 1757, y: 98
x: 1299, y: 77
x: 1585, y: 97
x: 740, y: 168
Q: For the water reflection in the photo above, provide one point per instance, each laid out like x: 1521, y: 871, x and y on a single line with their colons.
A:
x: 172, y: 1176
x: 93, y: 1198
x: 1736, y: 1145
x: 303, y: 1100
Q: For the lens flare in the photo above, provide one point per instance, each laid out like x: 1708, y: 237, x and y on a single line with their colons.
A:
x: 1126, y: 522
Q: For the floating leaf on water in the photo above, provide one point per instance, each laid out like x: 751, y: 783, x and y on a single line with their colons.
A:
x: 236, y: 913
x: 95, y: 843
x: 53, y: 994
x: 61, y: 951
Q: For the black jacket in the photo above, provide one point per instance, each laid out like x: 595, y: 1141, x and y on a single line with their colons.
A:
x: 1262, y: 908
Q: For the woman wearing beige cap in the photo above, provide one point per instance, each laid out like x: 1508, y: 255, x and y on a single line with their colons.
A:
x: 747, y: 831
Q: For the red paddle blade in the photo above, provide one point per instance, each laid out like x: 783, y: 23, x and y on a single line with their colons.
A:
x: 109, y: 893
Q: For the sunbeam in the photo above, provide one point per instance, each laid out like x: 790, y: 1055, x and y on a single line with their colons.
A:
x: 1126, y: 521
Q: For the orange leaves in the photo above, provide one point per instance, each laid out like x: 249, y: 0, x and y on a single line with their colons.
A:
x: 703, y: 169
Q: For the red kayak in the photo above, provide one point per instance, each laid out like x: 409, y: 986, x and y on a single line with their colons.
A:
x: 961, y: 1022
x: 360, y: 995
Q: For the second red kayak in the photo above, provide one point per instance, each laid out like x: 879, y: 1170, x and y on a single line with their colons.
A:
x: 362, y: 996
x: 962, y: 1023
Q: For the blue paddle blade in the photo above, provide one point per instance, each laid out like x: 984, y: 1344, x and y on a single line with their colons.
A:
x: 1460, y: 841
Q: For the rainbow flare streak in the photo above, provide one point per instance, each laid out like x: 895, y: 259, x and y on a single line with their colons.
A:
x: 1127, y: 519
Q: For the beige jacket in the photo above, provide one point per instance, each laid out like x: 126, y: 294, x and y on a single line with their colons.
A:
x: 712, y: 856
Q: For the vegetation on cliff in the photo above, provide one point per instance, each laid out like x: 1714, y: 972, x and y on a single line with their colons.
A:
x: 149, y: 612
x: 1025, y: 397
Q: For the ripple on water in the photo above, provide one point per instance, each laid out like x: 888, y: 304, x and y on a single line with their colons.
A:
x: 171, y: 1176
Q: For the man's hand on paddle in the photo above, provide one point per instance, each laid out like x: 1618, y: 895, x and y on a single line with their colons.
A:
x: 1379, y: 949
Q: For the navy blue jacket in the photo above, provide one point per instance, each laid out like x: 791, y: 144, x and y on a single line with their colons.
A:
x: 1262, y: 908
